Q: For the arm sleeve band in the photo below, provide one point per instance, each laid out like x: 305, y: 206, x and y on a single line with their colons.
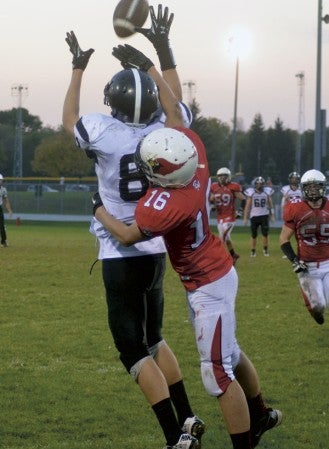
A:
x: 288, y: 251
x: 166, y: 57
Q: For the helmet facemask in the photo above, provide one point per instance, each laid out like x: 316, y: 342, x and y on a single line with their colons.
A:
x: 223, y: 176
x: 223, y: 180
x: 313, y: 191
x: 259, y: 183
x: 313, y: 185
x: 294, y: 178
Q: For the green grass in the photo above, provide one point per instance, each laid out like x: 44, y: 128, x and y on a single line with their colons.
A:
x: 63, y: 387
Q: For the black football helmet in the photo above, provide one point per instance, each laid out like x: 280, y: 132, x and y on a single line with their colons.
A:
x: 132, y: 96
x: 259, y: 183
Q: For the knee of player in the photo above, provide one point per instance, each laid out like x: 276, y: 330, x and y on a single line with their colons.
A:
x: 133, y: 358
x: 137, y: 367
x: 153, y: 350
x: 216, y: 377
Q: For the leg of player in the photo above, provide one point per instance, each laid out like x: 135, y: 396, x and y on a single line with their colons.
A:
x: 168, y: 364
x: 262, y: 418
x: 236, y: 415
x: 254, y: 232
x: 313, y: 289
x: 154, y: 386
x: 235, y: 256
x: 265, y: 246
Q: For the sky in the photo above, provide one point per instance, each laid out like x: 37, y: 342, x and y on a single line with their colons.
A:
x: 282, y: 37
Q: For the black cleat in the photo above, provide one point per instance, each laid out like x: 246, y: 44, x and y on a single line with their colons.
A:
x: 273, y: 418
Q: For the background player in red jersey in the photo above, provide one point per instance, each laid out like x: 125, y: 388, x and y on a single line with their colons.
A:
x: 308, y: 221
x: 223, y: 195
x: 175, y: 206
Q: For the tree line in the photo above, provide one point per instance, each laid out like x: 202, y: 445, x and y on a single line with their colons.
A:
x: 270, y: 153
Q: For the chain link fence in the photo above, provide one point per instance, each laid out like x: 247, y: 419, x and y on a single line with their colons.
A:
x: 70, y: 198
x: 40, y: 197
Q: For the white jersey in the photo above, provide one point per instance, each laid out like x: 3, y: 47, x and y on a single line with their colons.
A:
x: 3, y: 194
x: 288, y: 194
x: 259, y: 201
x: 120, y: 186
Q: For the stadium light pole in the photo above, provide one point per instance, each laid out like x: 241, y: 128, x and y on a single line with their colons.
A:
x: 239, y: 45
x: 235, y: 112
x: 318, y: 131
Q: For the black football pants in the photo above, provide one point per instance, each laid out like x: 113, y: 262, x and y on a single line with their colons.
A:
x: 2, y: 227
x: 134, y: 295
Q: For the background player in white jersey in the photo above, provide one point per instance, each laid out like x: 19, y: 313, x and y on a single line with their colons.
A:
x: 308, y: 221
x: 223, y: 196
x: 259, y: 207
x: 176, y: 206
x: 291, y: 191
x: 133, y: 277
x: 4, y: 201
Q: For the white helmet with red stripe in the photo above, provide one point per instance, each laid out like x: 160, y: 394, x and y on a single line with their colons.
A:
x: 167, y: 157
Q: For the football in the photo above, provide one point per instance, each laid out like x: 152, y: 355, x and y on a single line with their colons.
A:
x: 129, y: 14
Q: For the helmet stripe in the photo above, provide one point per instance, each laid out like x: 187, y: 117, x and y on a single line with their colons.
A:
x: 138, y: 96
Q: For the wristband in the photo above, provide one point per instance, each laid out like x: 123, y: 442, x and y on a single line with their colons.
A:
x: 97, y: 202
x: 166, y: 58
x: 288, y: 251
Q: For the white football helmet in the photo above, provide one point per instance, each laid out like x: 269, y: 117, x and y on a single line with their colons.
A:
x: 167, y: 157
x: 313, y: 184
x: 1, y: 177
x: 225, y: 175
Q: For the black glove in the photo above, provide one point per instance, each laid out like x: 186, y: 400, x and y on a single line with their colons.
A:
x: 158, y: 34
x: 299, y: 266
x: 80, y: 58
x: 239, y: 213
x: 130, y: 58
x: 97, y: 202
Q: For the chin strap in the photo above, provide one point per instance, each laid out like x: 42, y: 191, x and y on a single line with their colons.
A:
x: 92, y: 267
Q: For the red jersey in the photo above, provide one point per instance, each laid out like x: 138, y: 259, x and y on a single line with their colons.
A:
x: 181, y: 217
x: 225, y: 200
x: 311, y: 227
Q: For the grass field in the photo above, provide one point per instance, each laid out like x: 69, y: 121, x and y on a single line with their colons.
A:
x: 63, y: 387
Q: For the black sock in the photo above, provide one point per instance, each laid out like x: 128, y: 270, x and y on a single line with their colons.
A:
x: 257, y: 408
x: 180, y: 400
x: 241, y: 440
x: 167, y: 419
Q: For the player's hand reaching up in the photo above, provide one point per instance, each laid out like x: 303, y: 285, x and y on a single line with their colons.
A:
x: 130, y: 58
x: 80, y: 58
x: 158, y: 34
